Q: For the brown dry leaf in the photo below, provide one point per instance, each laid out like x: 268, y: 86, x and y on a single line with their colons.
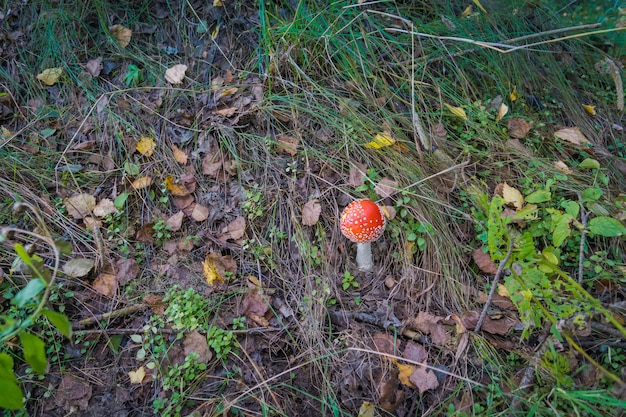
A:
x: 137, y: 376
x: 94, y: 66
x: 572, y: 135
x: 144, y: 234
x: 484, y: 261
x: 494, y: 326
x: 237, y: 228
x: 430, y: 325
x: 155, y: 303
x: 226, y: 111
x: 424, y: 379
x: 384, y: 343
x: 105, y: 284
x: 72, y: 393
x: 78, y: 267
x: 415, y: 352
x: 357, y: 175
x: 121, y: 34
x: 50, y: 76
x: 127, y: 270
x: 183, y: 202
x: 199, y: 213
x: 255, y: 306
x: 175, y: 222
x: 386, y: 188
x: 212, y: 164
x: 80, y: 205
x: 438, y: 132
x: 516, y: 144
x: 503, y: 109
x: 180, y: 156
x: 196, y: 343
x: 143, y: 182
x: 404, y: 373
x: 175, y: 74
x: 176, y: 189
x: 288, y: 144
x: 512, y: 196
x: 311, y: 212
x: 518, y: 128
x: 215, y: 266
x: 146, y: 146
x: 104, y: 208
x: 562, y: 166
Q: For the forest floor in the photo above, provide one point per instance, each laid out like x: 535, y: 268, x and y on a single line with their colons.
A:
x: 173, y: 175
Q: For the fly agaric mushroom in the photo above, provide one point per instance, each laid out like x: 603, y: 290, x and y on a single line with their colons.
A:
x: 362, y: 221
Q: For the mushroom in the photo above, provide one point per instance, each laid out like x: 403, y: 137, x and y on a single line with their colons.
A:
x: 363, y: 222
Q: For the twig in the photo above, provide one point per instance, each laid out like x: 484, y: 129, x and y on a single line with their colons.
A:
x: 107, y: 316
x: 584, y: 216
x: 494, y: 284
x: 170, y: 331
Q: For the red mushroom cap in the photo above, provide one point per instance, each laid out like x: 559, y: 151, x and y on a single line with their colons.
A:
x: 362, y: 221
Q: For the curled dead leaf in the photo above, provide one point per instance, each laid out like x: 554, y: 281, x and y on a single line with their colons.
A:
x: 121, y: 34
x: 484, y: 261
x: 80, y: 205
x: 572, y: 135
x: 175, y: 74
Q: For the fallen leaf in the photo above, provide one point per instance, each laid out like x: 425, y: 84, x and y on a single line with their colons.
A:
x: 226, y: 111
x: 78, y: 267
x: 176, y: 74
x: 199, y: 213
x: 80, y: 205
x: 484, y: 261
x: 50, y: 76
x: 104, y: 208
x: 381, y: 140
x: 494, y: 326
x: 572, y: 135
x: 72, y: 393
x: 255, y: 305
x: 514, y: 95
x: 503, y: 109
x: 562, y: 166
x: 179, y: 156
x: 311, y: 212
x: 211, y: 275
x: 121, y: 34
x: 457, y: 111
x: 367, y: 409
x: 137, y: 376
x: 94, y: 66
x: 216, y: 265
x: 126, y: 270
x: 386, y: 188
x: 591, y: 110
x: 404, y: 373
x: 212, y: 163
x: 512, y: 196
x: 144, y: 234
x: 197, y: 343
x: 356, y: 176
x: 430, y: 325
x: 143, y: 182
x: 175, y: 222
x: 217, y: 3
x: 105, y: 284
x: 229, y: 91
x: 176, y: 189
x: 424, y: 379
x: 236, y: 229
x: 384, y: 343
x: 415, y: 352
x: 146, y: 146
x: 288, y: 144
x: 155, y: 303
x: 518, y: 128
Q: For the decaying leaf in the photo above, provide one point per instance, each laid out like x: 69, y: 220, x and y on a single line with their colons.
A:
x: 137, y: 376
x: 174, y: 188
x: 384, y: 343
x: 237, y: 228
x: 512, y: 196
x: 121, y: 34
x: 415, y: 352
x: 80, y: 205
x: 104, y: 208
x: 176, y: 74
x: 78, y: 267
x: 215, y: 265
x: 143, y: 182
x: 367, y: 409
x: 94, y: 66
x: 357, y: 175
x: 430, y: 325
x: 175, y: 222
x: 126, y: 270
x: 311, y: 212
x: 288, y: 144
x: 255, y: 306
x: 196, y: 343
x: 484, y: 261
x: 199, y: 212
x: 572, y: 135
x: 457, y: 111
x: 146, y: 146
x: 211, y: 275
x: 424, y: 379
x: 381, y: 140
x: 50, y: 76
x: 386, y: 187
x: 105, y: 284
x: 518, y: 128
x: 499, y: 326
x: 179, y: 155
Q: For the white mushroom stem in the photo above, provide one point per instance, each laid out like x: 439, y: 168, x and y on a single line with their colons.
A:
x: 364, y: 256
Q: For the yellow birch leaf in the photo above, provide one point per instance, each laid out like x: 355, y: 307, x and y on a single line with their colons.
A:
x: 502, y: 111
x: 217, y: 3
x: 468, y: 11
x: 176, y: 189
x: 121, y: 34
x: 514, y: 95
x: 367, y: 409
x: 512, y: 196
x: 146, y: 146
x: 215, y: 32
x: 142, y: 182
x: 50, y: 76
x: 137, y: 376
x: 457, y: 111
x: 503, y: 292
x: 404, y: 374
x: 210, y: 272
x: 380, y: 141
x: 591, y: 110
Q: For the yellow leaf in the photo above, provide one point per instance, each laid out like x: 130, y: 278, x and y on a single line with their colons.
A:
x: 179, y: 155
x: 217, y: 3
x: 514, y: 95
x: 50, y: 76
x: 380, y: 141
x: 480, y: 6
x: 137, y: 376
x: 502, y: 291
x: 367, y: 409
x: 502, y: 111
x: 591, y: 110
x: 227, y: 92
x: 146, y: 146
x: 175, y: 74
x: 142, y: 182
x: 176, y: 189
x: 457, y: 111
x: 121, y: 34
x: 466, y: 12
x: 210, y: 272
x: 215, y: 32
x: 512, y: 196
x: 405, y: 373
